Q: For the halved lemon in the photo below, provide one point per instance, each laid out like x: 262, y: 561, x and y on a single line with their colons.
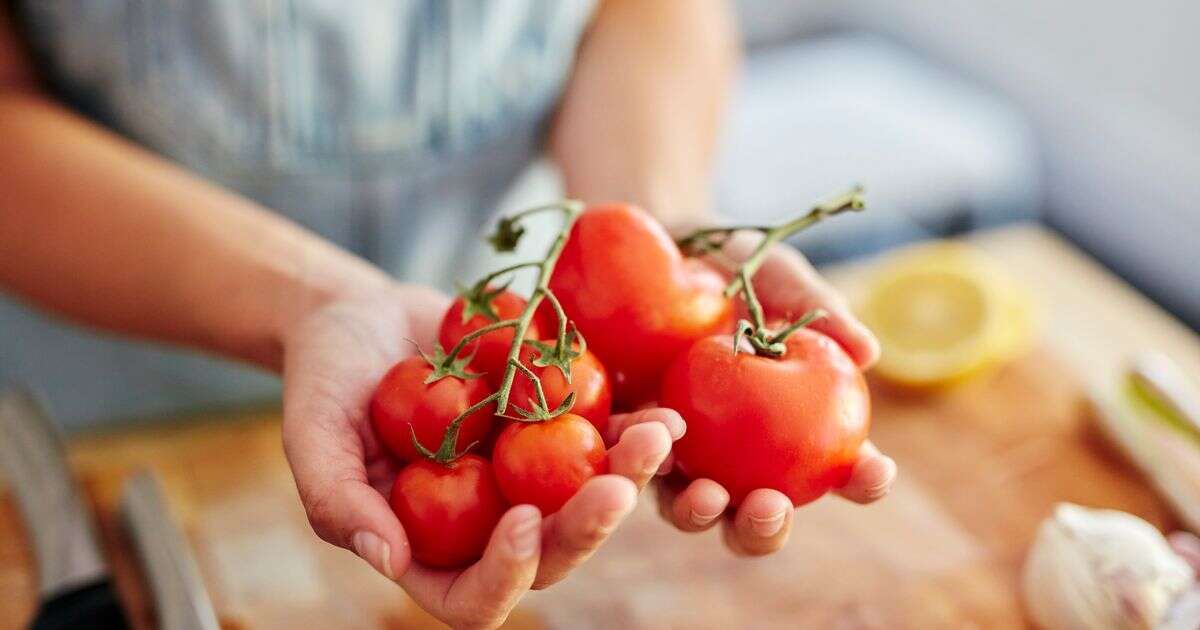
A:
x: 944, y: 312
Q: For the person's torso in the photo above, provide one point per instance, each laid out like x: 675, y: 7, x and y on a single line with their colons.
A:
x: 389, y: 126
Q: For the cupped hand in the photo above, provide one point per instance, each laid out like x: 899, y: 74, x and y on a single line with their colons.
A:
x: 333, y: 359
x: 788, y: 287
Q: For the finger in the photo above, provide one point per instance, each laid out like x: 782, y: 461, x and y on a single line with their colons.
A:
x: 482, y: 595
x: 761, y: 525
x: 872, y: 477
x: 669, y: 418
x: 696, y: 507
x: 640, y: 453
x: 572, y: 535
x: 790, y: 286
x: 326, y: 457
x: 1187, y: 545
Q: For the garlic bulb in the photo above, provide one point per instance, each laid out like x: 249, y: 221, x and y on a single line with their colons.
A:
x: 1101, y: 569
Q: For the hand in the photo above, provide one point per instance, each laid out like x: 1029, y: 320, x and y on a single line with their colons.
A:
x: 788, y: 286
x: 333, y: 359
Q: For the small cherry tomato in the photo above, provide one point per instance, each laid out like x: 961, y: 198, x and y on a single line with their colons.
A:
x: 589, y: 382
x: 490, y: 350
x: 448, y: 510
x: 637, y: 300
x: 403, y: 400
x: 793, y: 423
x: 545, y: 463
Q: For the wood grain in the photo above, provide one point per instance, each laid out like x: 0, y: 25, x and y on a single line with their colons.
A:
x: 980, y: 467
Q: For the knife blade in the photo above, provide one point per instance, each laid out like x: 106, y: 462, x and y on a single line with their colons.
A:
x: 74, y: 583
x: 180, y: 599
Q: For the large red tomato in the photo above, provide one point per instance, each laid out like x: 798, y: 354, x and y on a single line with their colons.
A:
x: 794, y: 423
x: 589, y: 382
x: 637, y: 300
x: 403, y: 400
x: 491, y: 350
x: 448, y: 510
x: 545, y: 463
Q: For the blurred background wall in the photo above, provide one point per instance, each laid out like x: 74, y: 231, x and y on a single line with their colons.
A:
x: 1107, y: 93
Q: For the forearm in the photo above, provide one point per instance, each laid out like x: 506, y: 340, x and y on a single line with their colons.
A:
x: 639, y: 119
x: 100, y: 231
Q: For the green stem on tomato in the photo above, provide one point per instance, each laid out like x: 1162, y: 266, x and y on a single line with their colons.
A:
x: 508, y: 231
x: 537, y: 385
x: 753, y: 306
x: 766, y: 342
x: 561, y: 316
x: 509, y: 269
x: 445, y: 453
x: 571, y: 211
x: 475, y: 334
x: 849, y: 200
x: 804, y: 320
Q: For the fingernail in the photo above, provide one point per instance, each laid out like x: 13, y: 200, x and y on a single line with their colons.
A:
x: 524, y: 536
x: 377, y: 553
x: 665, y: 467
x: 676, y: 427
x: 767, y: 527
x: 878, y: 492
x: 870, y: 343
x: 700, y: 520
x: 881, y: 490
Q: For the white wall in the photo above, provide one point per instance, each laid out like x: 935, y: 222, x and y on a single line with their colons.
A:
x: 1113, y: 89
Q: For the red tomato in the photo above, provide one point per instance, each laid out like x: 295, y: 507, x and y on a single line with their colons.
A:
x: 491, y: 350
x: 794, y: 424
x: 545, y: 463
x: 448, y: 511
x: 403, y: 400
x: 589, y: 381
x: 637, y: 300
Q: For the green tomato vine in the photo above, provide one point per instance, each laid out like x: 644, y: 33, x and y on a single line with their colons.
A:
x: 568, y: 345
x: 765, y: 341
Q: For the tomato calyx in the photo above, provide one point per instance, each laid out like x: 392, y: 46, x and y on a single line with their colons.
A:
x: 561, y: 354
x: 538, y: 409
x: 767, y: 342
x: 477, y: 300
x: 564, y: 351
x: 711, y: 241
x: 445, y: 365
x: 507, y: 235
x: 509, y: 229
x: 446, y: 453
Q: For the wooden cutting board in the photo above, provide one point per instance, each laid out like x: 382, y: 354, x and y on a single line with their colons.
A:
x: 980, y: 465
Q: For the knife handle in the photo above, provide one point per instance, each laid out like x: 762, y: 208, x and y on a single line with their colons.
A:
x: 92, y: 606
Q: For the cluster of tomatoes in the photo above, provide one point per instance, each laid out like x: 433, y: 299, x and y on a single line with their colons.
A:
x: 658, y: 327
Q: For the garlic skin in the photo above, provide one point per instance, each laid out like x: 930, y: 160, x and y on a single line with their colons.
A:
x: 1101, y: 569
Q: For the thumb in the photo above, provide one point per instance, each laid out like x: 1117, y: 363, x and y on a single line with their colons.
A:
x: 483, y: 594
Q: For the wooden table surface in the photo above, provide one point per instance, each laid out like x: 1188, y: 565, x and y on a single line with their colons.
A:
x: 981, y: 465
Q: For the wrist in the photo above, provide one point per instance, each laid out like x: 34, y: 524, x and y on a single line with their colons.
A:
x: 289, y: 294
